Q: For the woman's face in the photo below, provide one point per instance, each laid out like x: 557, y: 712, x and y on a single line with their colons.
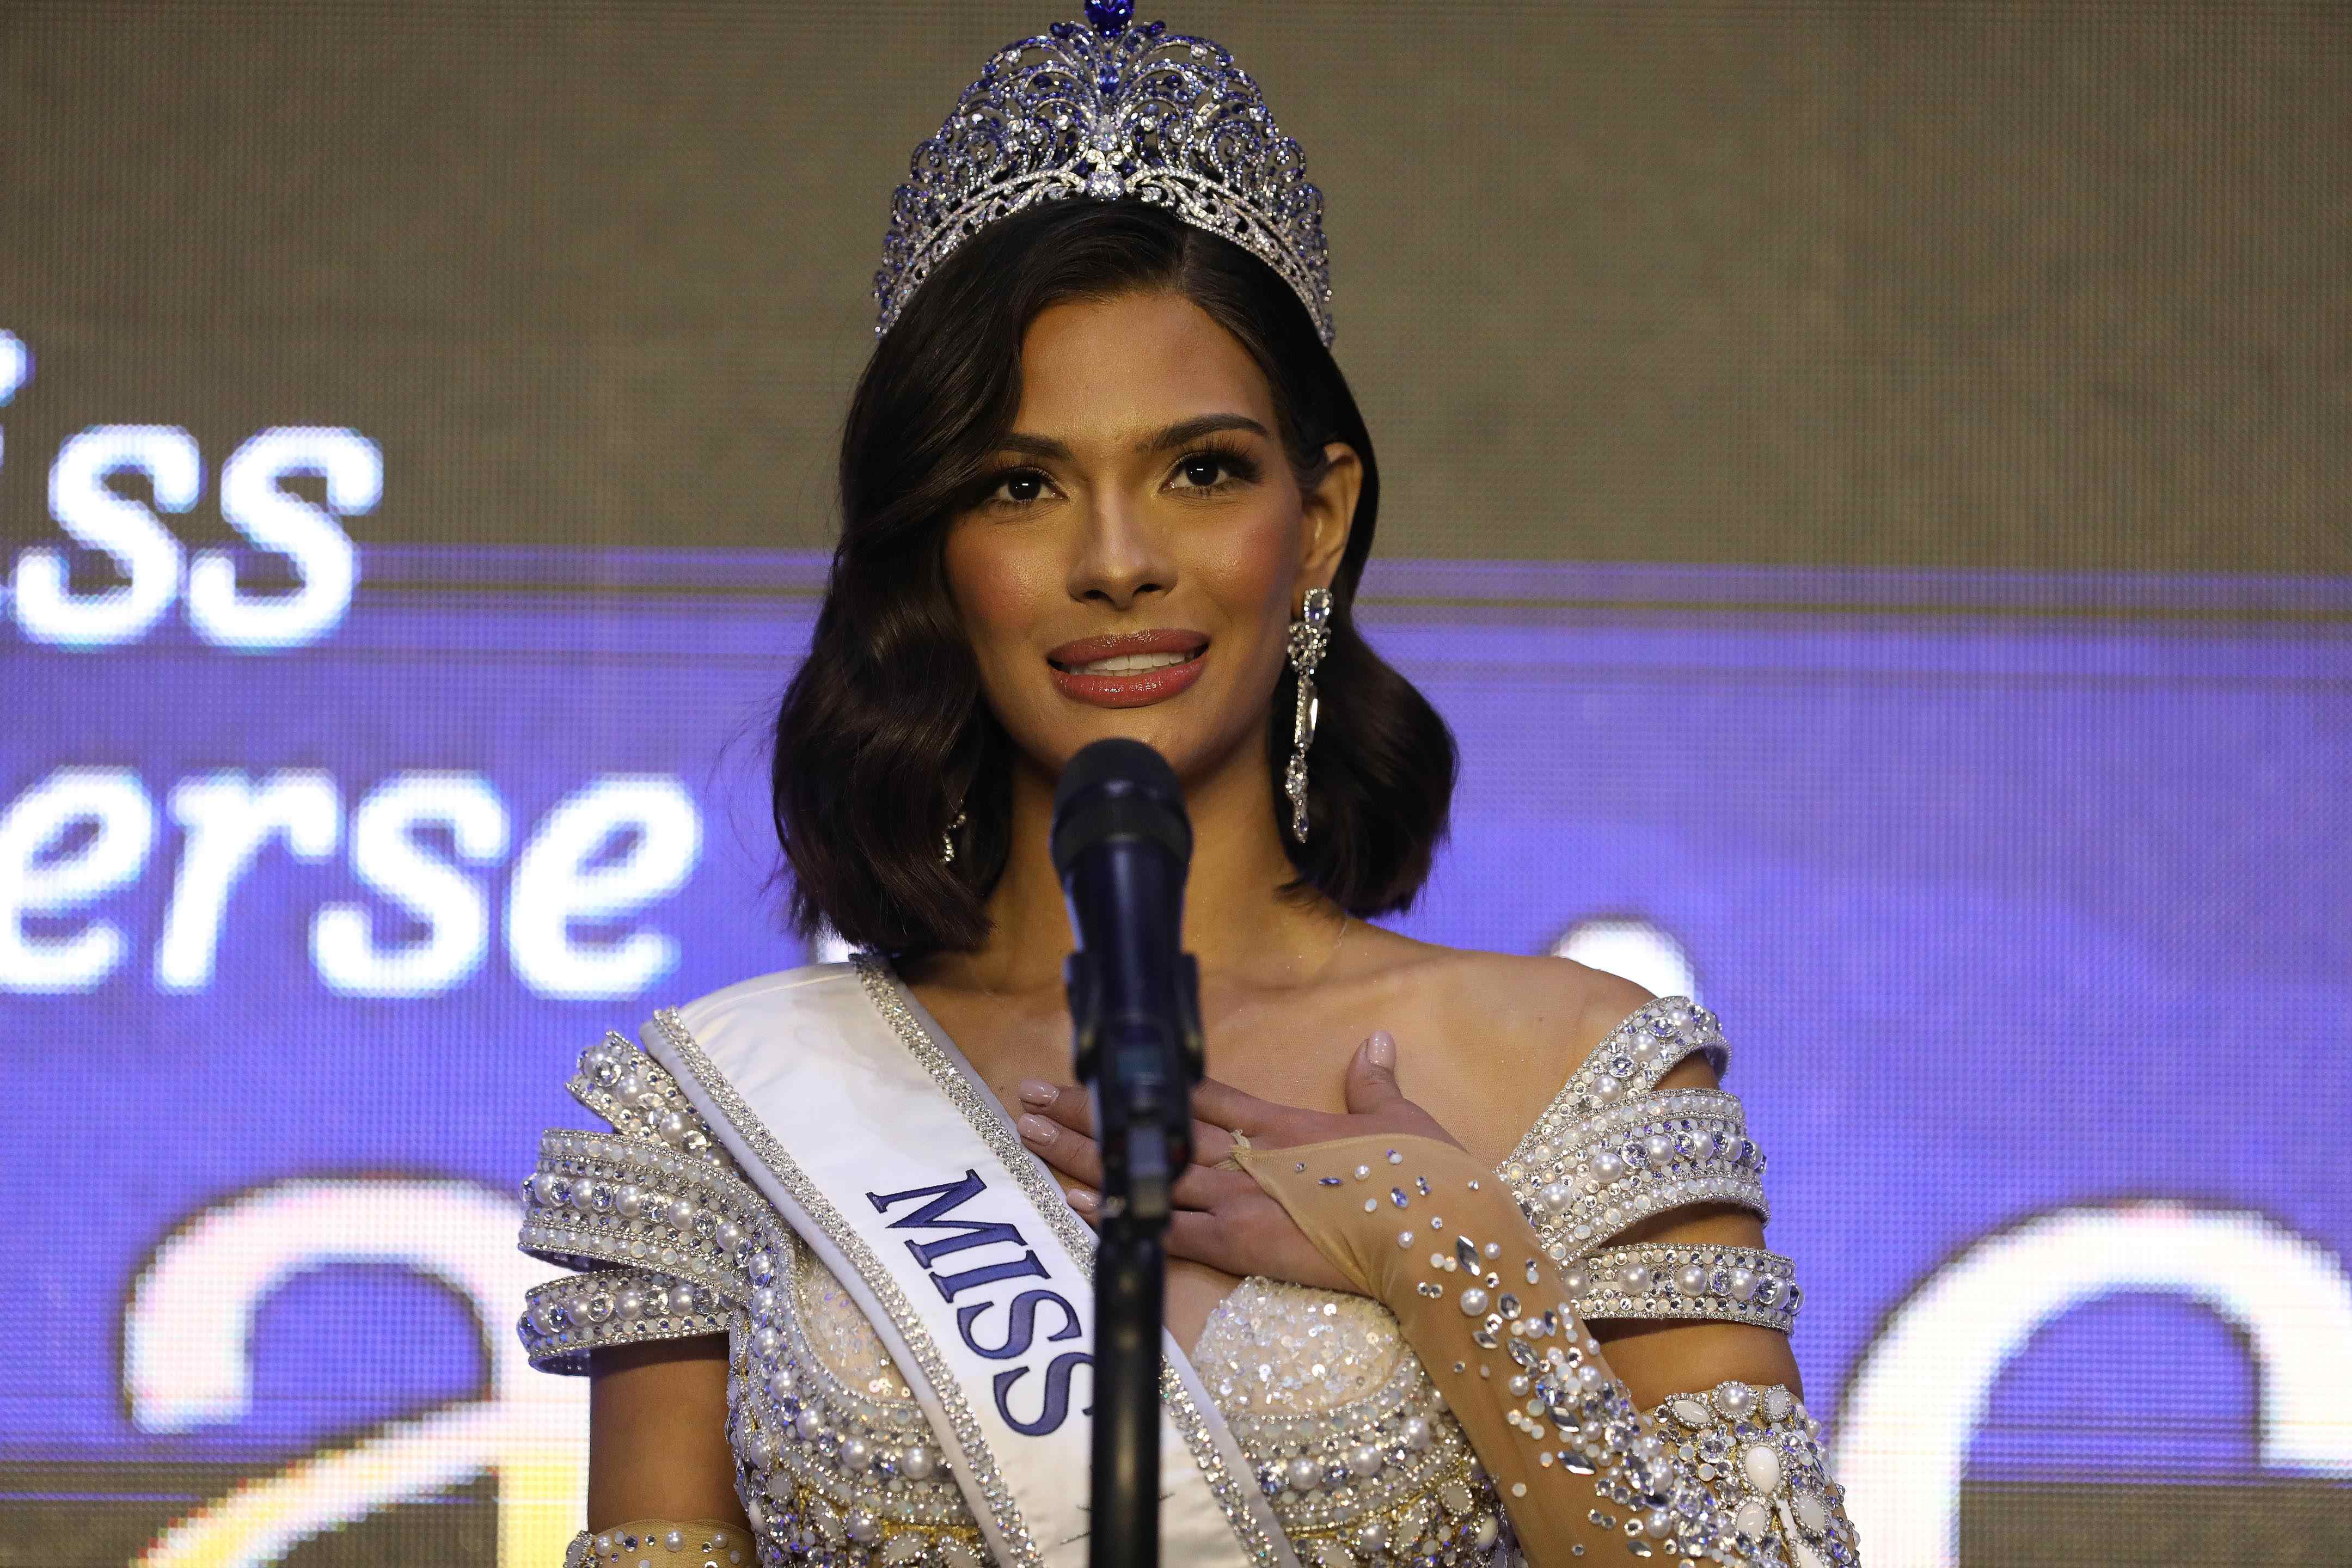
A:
x: 1143, y: 543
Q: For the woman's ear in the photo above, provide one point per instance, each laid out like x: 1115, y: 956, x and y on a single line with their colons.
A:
x: 1329, y: 514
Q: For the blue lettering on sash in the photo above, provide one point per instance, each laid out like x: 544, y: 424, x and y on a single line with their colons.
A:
x: 937, y: 1213
x: 945, y: 1198
x: 1020, y: 1324
x: 1057, y: 1393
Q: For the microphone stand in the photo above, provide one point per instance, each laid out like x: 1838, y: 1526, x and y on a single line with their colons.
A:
x: 1141, y: 1065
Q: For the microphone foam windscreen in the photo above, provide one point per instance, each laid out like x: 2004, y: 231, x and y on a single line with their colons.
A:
x: 1119, y: 787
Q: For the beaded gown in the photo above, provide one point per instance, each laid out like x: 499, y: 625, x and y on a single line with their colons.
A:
x: 1349, y: 1437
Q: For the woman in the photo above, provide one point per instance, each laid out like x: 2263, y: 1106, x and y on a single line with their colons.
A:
x: 1454, y: 1219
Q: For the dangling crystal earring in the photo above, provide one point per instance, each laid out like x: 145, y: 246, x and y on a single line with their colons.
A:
x: 947, y: 839
x: 1310, y: 634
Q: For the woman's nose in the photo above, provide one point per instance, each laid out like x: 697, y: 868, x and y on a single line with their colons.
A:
x: 1119, y: 558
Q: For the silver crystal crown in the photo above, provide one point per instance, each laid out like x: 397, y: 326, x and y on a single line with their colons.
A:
x: 1105, y: 110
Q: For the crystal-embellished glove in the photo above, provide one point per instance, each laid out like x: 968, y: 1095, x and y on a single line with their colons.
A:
x: 1731, y: 1475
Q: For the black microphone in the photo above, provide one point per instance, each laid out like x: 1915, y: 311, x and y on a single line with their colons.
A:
x: 1122, y: 846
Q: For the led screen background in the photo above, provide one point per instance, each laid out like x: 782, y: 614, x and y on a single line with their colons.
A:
x: 1866, y: 486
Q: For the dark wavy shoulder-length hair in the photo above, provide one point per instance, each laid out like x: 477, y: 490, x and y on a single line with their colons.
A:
x: 884, y: 728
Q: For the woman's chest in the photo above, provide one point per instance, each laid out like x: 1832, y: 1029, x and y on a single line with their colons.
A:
x: 1288, y: 1047
x: 1010, y: 1043
x: 1345, y: 1437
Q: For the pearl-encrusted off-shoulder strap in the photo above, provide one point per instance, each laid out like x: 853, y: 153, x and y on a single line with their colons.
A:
x: 654, y: 1213
x: 1613, y: 1150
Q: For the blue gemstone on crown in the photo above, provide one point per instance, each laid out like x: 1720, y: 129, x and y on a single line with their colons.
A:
x: 1108, y: 111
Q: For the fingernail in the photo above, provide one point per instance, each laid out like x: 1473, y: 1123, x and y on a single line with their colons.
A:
x: 1035, y: 1129
x: 1082, y: 1200
x: 1381, y: 1048
x: 1036, y: 1091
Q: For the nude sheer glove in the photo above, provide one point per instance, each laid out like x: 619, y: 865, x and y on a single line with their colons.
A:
x: 1732, y: 1474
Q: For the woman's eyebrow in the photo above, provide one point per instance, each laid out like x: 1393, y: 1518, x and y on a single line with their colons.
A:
x: 1034, y: 447
x: 1193, y: 429
x: 1159, y: 440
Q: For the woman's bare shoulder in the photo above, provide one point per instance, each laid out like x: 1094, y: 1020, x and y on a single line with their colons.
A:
x: 1545, y: 1012
x: 1533, y: 1003
x: 1507, y: 1027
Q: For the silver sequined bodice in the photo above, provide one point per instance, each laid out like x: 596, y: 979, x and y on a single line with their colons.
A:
x: 1350, y: 1439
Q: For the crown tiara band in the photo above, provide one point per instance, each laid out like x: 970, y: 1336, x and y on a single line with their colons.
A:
x: 1105, y: 109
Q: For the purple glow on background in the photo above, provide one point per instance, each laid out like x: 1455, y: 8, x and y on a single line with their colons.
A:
x: 2002, y: 912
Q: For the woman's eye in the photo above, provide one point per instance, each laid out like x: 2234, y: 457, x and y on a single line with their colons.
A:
x: 1203, y: 470
x: 1020, y: 488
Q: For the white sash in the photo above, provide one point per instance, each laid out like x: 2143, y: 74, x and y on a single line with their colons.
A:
x: 871, y: 1134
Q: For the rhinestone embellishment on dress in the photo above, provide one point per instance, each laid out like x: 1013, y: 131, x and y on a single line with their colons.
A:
x: 1340, y: 1429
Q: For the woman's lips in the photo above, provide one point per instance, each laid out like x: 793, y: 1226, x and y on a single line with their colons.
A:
x: 1172, y: 657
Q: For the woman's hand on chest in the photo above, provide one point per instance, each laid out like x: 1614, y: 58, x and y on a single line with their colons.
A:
x: 1223, y: 1218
